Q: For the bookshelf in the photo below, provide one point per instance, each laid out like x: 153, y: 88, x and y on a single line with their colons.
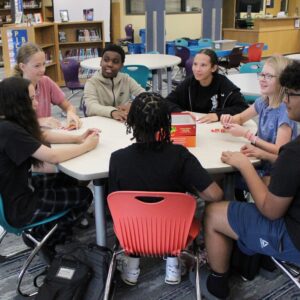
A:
x: 44, y: 7
x: 79, y: 40
x: 13, y: 36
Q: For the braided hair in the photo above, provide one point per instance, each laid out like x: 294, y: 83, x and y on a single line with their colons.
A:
x: 149, y: 120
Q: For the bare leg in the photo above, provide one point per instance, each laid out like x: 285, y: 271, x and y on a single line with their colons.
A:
x: 218, y: 236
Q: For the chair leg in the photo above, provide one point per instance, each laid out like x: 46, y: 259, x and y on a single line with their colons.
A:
x: 29, y: 260
x: 291, y: 272
x: 198, y: 291
x: 73, y: 94
x: 12, y: 255
x: 111, y: 270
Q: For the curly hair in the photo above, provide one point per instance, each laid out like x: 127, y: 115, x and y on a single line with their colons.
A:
x: 115, y: 48
x: 290, y: 76
x: 16, y: 106
x: 23, y: 56
x: 149, y: 120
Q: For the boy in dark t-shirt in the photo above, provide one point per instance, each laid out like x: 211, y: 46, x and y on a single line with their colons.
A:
x: 153, y: 163
x: 270, y: 225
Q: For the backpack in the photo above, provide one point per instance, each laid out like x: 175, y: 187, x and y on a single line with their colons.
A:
x: 89, y: 266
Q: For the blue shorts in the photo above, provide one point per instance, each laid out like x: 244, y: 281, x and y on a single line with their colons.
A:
x: 257, y: 234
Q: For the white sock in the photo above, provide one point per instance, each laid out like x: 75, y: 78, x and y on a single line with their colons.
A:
x: 133, y: 262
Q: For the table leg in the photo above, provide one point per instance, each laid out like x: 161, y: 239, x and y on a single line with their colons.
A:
x: 154, y: 81
x: 169, y: 79
x: 100, y: 221
x: 229, y: 186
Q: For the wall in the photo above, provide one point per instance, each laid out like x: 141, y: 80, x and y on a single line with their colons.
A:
x: 75, y: 9
x: 177, y: 25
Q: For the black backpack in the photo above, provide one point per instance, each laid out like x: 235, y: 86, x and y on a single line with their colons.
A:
x: 79, y: 271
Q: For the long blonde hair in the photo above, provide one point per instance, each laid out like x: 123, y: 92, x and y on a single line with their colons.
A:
x: 23, y: 56
x: 278, y: 63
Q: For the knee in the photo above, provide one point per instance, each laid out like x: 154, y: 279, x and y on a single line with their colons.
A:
x: 214, y: 214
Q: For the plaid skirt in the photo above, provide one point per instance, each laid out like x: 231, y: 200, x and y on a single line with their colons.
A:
x: 59, y: 192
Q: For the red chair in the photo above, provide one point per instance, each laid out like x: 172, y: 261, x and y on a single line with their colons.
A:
x: 156, y: 224
x: 254, y: 53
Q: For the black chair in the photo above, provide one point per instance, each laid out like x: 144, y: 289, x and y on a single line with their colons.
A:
x: 233, y: 60
x: 184, y: 54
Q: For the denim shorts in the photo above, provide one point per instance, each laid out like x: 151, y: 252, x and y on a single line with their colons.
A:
x: 257, y: 234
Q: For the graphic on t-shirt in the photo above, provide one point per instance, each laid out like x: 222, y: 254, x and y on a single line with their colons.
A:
x: 214, y: 101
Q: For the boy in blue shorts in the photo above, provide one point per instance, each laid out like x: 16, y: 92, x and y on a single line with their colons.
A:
x: 269, y: 225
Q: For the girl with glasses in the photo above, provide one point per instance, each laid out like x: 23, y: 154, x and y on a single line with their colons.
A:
x: 274, y: 126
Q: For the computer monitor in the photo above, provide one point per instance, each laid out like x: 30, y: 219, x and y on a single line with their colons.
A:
x: 246, y: 5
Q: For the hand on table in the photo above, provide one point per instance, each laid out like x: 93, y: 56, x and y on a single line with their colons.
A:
x: 124, y: 107
x: 73, y: 120
x: 235, y: 159
x: 90, y: 131
x: 226, y: 120
x: 236, y: 130
x: 252, y: 151
x: 209, y: 118
x: 92, y: 140
x: 119, y: 115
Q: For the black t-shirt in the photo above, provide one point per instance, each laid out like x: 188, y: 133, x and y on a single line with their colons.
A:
x: 171, y: 169
x: 16, y: 148
x: 285, y: 182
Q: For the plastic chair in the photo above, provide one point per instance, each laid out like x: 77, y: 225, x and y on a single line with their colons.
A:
x: 252, y: 67
x: 139, y: 73
x: 233, y: 60
x: 184, y: 54
x: 205, y: 43
x: 254, y: 53
x: 26, y: 230
x: 129, y: 31
x: 188, y: 66
x: 181, y: 42
x: 292, y: 271
x: 70, y: 68
x: 155, y: 224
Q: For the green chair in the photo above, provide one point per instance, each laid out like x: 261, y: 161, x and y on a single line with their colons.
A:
x: 139, y: 73
x: 7, y: 228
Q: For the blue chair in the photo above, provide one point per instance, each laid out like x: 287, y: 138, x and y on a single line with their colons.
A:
x: 205, y: 43
x: 138, y: 72
x: 252, y: 67
x: 7, y: 228
x: 181, y: 42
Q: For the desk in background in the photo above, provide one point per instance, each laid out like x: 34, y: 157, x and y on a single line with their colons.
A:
x: 154, y: 62
x: 94, y: 165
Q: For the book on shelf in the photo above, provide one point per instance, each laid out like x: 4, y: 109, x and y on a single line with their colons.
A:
x: 62, y: 36
x: 88, y: 35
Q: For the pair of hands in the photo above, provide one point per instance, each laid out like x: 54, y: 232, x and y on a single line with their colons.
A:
x: 120, y: 114
x: 209, y: 118
x: 73, y: 122
x: 90, y: 137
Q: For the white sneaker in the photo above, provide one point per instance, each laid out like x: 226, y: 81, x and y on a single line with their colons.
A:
x: 129, y: 268
x: 173, y: 271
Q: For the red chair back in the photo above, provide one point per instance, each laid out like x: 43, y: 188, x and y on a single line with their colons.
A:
x: 255, y: 52
x: 157, y: 228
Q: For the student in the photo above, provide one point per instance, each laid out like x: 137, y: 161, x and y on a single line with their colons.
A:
x: 31, y: 64
x: 108, y: 93
x: 206, y: 91
x: 269, y: 225
x: 274, y: 126
x: 28, y: 199
x: 156, y: 164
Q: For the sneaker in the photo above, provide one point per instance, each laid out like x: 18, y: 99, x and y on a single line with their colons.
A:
x: 129, y: 268
x: 173, y: 271
x: 84, y: 223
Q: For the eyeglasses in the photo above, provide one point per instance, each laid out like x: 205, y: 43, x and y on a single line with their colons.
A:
x: 266, y: 76
x: 290, y: 94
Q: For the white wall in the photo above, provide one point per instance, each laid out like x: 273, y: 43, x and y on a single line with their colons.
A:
x: 75, y: 9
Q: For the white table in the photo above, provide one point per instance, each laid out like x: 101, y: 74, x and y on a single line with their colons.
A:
x: 154, y: 62
x: 247, y: 82
x: 293, y: 56
x: 94, y: 165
